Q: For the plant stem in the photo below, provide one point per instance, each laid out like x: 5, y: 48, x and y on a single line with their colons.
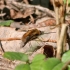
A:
x: 61, y: 41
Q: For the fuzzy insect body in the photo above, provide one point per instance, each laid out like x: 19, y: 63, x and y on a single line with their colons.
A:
x: 30, y: 35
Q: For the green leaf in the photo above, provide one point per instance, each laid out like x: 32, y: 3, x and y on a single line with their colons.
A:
x: 6, y: 23
x: 16, y: 56
x: 37, y: 65
x: 66, y: 57
x: 68, y: 67
x: 50, y: 63
x: 38, y: 57
x: 65, y: 1
x: 22, y: 67
x: 68, y: 1
x: 58, y: 67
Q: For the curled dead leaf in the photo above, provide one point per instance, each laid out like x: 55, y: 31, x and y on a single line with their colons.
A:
x: 48, y: 51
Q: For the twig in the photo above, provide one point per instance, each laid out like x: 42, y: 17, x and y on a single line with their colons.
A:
x: 9, y: 39
x: 61, y: 40
x: 1, y: 46
x: 45, y: 10
x: 2, y: 14
x: 62, y: 29
x: 32, y: 19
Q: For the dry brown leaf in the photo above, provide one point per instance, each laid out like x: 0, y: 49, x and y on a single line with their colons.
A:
x: 48, y: 50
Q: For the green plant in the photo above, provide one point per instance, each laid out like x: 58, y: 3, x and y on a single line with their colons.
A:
x: 6, y: 23
x: 68, y: 1
x: 40, y: 62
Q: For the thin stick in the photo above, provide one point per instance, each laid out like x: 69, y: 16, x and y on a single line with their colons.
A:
x: 1, y: 46
x: 60, y: 41
x: 32, y: 19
